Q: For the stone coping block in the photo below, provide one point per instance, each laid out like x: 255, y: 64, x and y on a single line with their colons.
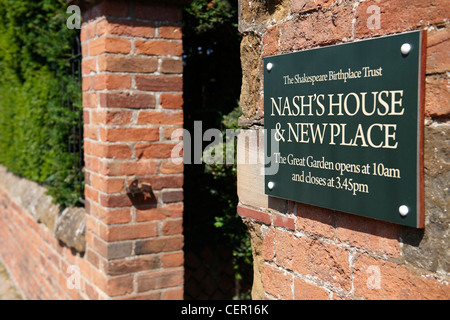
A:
x: 69, y: 224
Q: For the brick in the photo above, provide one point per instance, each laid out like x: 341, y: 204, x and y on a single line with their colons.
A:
x: 90, y: 132
x: 153, y: 150
x: 170, y: 32
x: 157, y: 117
x: 85, y: 84
x: 315, y: 221
x: 109, y: 45
x: 86, y: 116
x: 160, y: 279
x: 380, y: 279
x: 110, y: 81
x: 129, y: 100
x: 172, y: 196
x: 268, y: 252
x: 277, y: 282
x: 160, y: 213
x: 167, y: 135
x: 87, y: 31
x: 118, y: 286
x: 253, y: 214
x: 108, y: 185
x: 320, y: 28
x: 91, y: 292
x: 437, y: 96
x: 171, y: 66
x: 300, y: 6
x: 158, y: 47
x: 270, y: 41
x: 120, y: 168
x: 91, y: 163
x: 111, y: 117
x: 131, y: 265
x: 171, y: 260
x: 129, y: 134
x: 93, y: 258
x: 438, y: 51
x: 307, y: 291
x: 317, y: 259
x: 129, y: 232
x: 158, y: 13
x: 90, y: 100
x: 125, y: 28
x: 160, y: 244
x: 401, y: 15
x: 163, y: 181
x: 116, y: 63
x: 91, y: 193
x: 118, y: 250
x: 173, y: 294
x: 112, y: 201
x: 153, y: 295
x: 171, y: 227
x: 159, y: 83
x: 88, y: 65
x: 284, y: 222
x: 111, y: 151
x: 111, y: 216
x: 171, y: 101
x: 372, y: 235
x: 170, y: 167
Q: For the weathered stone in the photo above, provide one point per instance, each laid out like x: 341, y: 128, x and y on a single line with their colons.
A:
x: 323, y: 28
x: 31, y: 197
x: 256, y: 238
x: 437, y: 96
x: 256, y: 13
x: 250, y: 169
x: 251, y: 70
x: 429, y: 248
x: 70, y: 228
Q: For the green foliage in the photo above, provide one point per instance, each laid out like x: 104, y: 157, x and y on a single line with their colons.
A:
x: 211, y: 13
x: 223, y: 191
x: 35, y: 87
x: 212, y: 84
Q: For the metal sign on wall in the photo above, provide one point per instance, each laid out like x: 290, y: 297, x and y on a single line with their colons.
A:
x: 345, y: 126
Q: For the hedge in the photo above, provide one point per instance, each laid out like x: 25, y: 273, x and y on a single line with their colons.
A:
x: 37, y: 92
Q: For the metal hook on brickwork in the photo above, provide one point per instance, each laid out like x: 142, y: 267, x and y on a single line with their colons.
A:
x: 139, y: 187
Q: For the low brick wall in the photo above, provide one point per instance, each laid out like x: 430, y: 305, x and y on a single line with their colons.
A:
x: 43, y: 262
x: 306, y: 252
x: 127, y: 243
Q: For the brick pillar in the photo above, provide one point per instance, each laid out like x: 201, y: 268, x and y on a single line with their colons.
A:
x: 132, y: 99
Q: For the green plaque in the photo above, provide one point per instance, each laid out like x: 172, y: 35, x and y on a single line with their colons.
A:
x: 344, y: 127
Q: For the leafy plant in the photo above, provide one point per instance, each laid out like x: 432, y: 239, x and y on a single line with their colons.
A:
x: 37, y: 92
x: 212, y: 83
x: 223, y: 192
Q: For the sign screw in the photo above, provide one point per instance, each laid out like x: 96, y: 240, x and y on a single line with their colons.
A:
x: 403, y: 210
x: 269, y: 66
x: 270, y: 185
x: 405, y: 49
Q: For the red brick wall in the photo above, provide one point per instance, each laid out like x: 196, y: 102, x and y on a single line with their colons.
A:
x: 306, y: 252
x: 132, y: 99
x: 36, y: 260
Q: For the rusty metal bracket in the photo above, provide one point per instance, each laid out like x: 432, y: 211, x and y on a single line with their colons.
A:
x: 139, y: 187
